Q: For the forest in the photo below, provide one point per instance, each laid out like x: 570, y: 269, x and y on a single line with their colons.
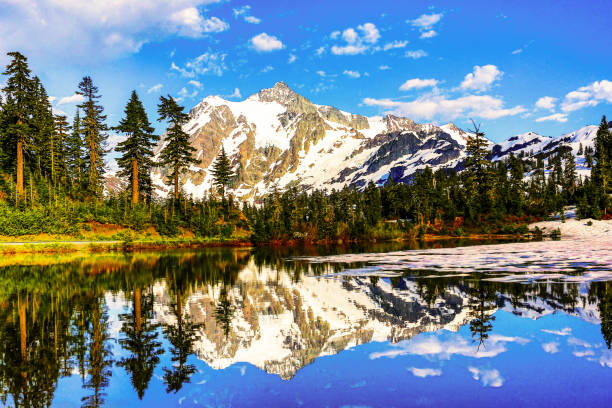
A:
x: 52, y: 181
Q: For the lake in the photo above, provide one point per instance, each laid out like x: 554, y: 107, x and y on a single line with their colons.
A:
x: 517, y: 324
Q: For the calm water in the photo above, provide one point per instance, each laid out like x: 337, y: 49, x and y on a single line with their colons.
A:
x: 314, y: 328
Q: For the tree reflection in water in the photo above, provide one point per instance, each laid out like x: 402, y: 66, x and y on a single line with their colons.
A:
x: 54, y: 317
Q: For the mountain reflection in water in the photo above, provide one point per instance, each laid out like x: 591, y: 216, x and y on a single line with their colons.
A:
x: 163, y: 329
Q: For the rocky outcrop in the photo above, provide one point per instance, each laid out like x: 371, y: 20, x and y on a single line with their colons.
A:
x: 277, y: 138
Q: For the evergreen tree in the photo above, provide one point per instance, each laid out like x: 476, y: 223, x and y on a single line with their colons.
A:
x: 477, y: 172
x: 137, y: 149
x: 141, y: 341
x: 602, y: 169
x: 58, y: 148
x: 177, y: 152
x: 569, y: 177
x: 75, y: 151
x: 42, y: 127
x: 222, y: 172
x: 93, y: 129
x: 17, y: 113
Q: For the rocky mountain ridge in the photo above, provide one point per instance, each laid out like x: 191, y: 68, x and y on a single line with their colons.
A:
x: 276, y: 138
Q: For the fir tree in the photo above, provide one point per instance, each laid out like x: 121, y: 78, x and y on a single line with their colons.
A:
x: 177, y: 153
x: 222, y: 172
x: 478, y: 171
x: 569, y: 176
x: 137, y: 149
x: 17, y: 113
x: 602, y: 169
x: 42, y: 127
x: 58, y: 148
x: 75, y: 151
x: 93, y: 129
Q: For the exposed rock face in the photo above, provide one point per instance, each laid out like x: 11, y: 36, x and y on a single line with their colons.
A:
x: 281, y: 325
x: 277, y: 138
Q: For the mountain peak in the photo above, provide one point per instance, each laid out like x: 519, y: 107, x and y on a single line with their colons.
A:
x: 285, y: 96
x: 281, y: 85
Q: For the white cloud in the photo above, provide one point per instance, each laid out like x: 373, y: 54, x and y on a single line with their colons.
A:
x: 184, y: 93
x: 320, y: 51
x: 430, y: 106
x: 584, y: 353
x: 207, y: 63
x: 370, y: 33
x: 348, y: 49
x: 415, y: 54
x: 566, y: 331
x: 252, y: 19
x: 73, y: 99
x: 291, y: 59
x: 322, y: 74
x: 424, y: 372
x: 606, y: 359
x: 357, y: 41
x: 99, y: 29
x: 488, y: 377
x: 190, y: 23
x: 195, y: 83
x: 352, y: 74
x: 244, y: 12
x: 551, y: 348
x: 425, y: 24
x: 434, y: 346
x: 428, y: 34
x: 518, y: 51
x: 51, y: 99
x: 546, y: 102
x: 418, y: 83
x: 334, y: 35
x: 266, y: 43
x: 426, y: 21
x: 236, y: 94
x: 559, y: 117
x: 481, y: 78
x: 395, y: 44
x: 573, y: 341
x: 384, y: 67
x: 590, y: 95
x: 155, y: 88
x: 267, y: 68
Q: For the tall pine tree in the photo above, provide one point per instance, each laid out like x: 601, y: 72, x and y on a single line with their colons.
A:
x: 75, y: 152
x: 94, y: 130
x: 222, y: 172
x: 17, y: 113
x: 58, y: 148
x: 478, y: 173
x: 177, y: 152
x: 136, y: 160
x: 602, y: 169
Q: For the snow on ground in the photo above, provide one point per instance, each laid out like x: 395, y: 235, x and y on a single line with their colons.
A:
x: 575, y: 228
x: 577, y: 259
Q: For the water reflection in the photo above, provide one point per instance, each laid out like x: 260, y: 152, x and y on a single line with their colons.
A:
x: 154, y: 318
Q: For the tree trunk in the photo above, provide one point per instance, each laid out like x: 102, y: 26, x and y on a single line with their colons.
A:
x: 176, y: 182
x: 137, y: 310
x: 23, y: 331
x: 134, y: 181
x: 20, y: 192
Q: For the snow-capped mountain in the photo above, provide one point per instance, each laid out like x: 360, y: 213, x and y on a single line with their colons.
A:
x: 276, y: 138
x: 281, y: 325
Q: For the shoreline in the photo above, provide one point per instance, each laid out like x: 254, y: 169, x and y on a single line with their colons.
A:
x: 92, y: 246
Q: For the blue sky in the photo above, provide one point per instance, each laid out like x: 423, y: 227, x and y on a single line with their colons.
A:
x: 518, y: 66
